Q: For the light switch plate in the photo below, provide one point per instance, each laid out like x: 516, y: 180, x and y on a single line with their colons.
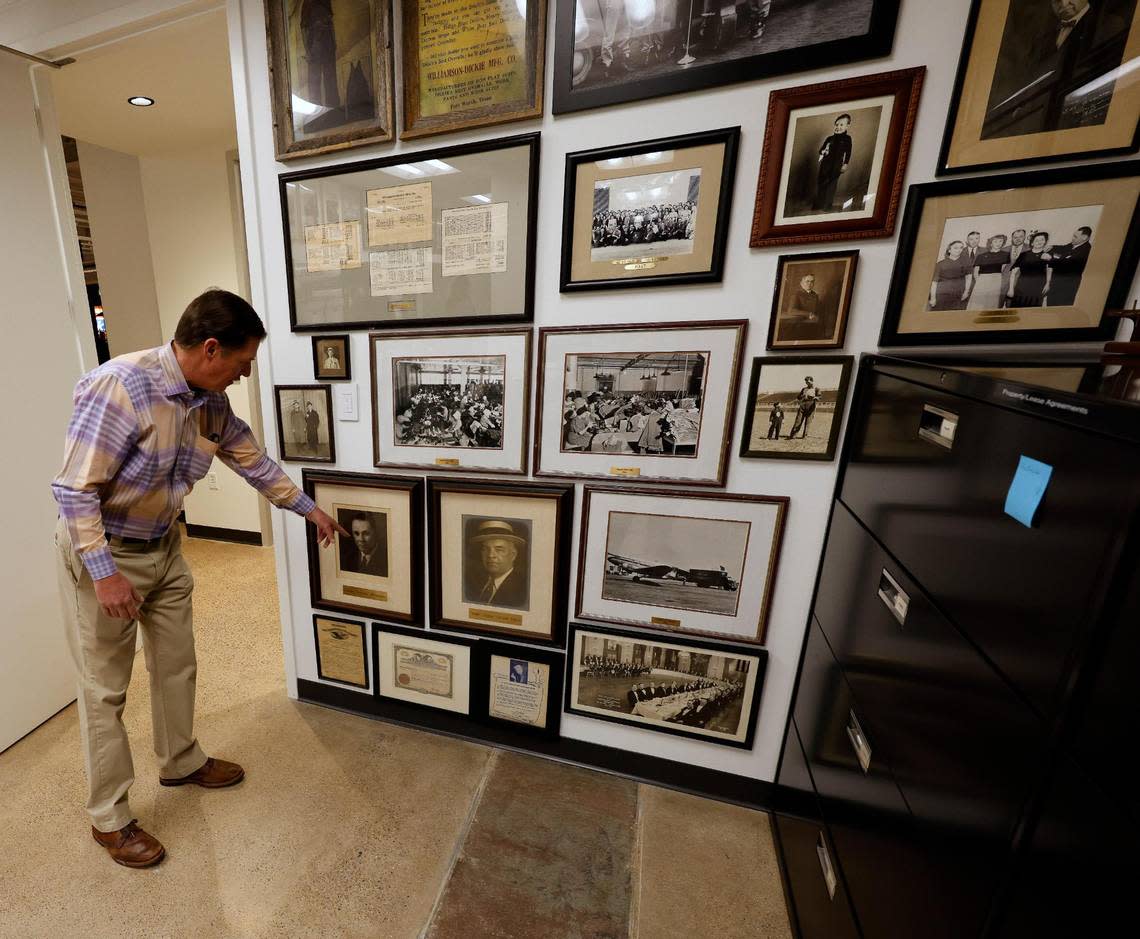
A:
x: 346, y: 403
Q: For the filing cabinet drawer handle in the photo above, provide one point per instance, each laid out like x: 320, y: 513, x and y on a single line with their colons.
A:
x: 938, y: 426
x: 859, y: 742
x: 894, y: 597
x: 826, y: 866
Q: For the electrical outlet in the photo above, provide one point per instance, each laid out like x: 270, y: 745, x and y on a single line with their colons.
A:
x: 212, y: 480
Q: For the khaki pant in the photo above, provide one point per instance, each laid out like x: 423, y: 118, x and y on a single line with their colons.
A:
x: 104, y: 651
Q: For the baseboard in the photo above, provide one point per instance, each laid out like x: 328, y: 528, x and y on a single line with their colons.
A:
x: 223, y: 534
x: 696, y: 780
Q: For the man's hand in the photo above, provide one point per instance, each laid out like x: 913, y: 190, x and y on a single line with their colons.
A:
x: 326, y: 527
x: 117, y: 597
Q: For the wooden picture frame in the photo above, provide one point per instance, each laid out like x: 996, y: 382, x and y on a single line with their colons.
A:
x: 301, y: 405
x: 795, y: 199
x: 322, y: 370
x: 677, y: 239
x: 800, y: 322
x: 429, y: 670
x: 363, y: 111
x: 336, y: 580
x: 321, y: 638
x: 488, y: 60
x: 526, y: 712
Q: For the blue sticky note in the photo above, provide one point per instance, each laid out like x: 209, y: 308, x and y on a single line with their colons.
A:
x: 1027, y: 489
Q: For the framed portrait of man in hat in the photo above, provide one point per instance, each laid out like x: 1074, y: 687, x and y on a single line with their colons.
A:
x: 499, y: 557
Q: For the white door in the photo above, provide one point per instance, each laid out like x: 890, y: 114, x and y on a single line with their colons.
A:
x: 44, y: 355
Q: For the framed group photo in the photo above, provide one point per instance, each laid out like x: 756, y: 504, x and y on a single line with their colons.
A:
x: 415, y: 667
x: 456, y: 400
x: 305, y: 423
x: 651, y: 402
x: 794, y: 408
x: 1041, y: 82
x: 376, y: 569
x: 812, y: 300
x: 692, y: 688
x: 834, y: 159
x: 1021, y: 257
x: 666, y: 559
x: 647, y: 214
x: 499, y: 557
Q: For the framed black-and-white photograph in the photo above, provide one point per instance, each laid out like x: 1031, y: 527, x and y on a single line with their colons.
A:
x: 342, y: 650
x: 456, y: 400
x: 330, y: 65
x: 812, y: 300
x: 431, y: 672
x: 499, y: 557
x: 330, y: 358
x: 1021, y: 257
x: 305, y: 423
x: 1040, y: 82
x: 834, y: 159
x: 608, y: 52
x: 376, y: 569
x: 667, y: 559
x: 652, y: 213
x: 795, y: 407
x: 648, y: 402
x: 694, y: 688
x: 520, y: 687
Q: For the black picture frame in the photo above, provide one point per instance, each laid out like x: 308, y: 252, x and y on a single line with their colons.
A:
x: 325, y: 337
x: 728, y: 137
x: 843, y: 312
x: 562, y: 495
x: 419, y: 635
x: 917, y: 197
x: 799, y: 361
x: 707, y: 646
x: 554, y: 659
x: 876, y: 42
x: 363, y: 627
x: 328, y: 416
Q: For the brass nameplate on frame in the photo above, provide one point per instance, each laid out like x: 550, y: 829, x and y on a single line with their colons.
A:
x: 496, y: 616
x: 364, y: 593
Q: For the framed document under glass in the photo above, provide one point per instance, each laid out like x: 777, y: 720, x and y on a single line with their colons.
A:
x: 330, y: 65
x: 441, y: 236
x: 520, y: 687
x: 652, y: 213
x: 471, y: 63
x: 342, y: 651
x: 499, y: 557
x: 377, y: 568
x: 457, y: 400
x: 432, y: 672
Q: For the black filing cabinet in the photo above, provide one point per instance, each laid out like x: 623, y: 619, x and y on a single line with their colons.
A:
x: 959, y: 759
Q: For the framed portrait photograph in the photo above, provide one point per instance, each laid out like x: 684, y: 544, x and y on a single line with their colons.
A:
x: 834, y: 159
x: 693, y: 688
x: 440, y: 237
x: 608, y: 53
x: 456, y: 400
x: 652, y: 213
x: 521, y: 687
x: 1021, y: 257
x: 432, y: 672
x: 471, y: 63
x: 1041, y: 82
x: 330, y: 70
x: 342, y: 651
x: 795, y: 407
x: 812, y: 300
x: 331, y: 360
x: 499, y: 557
x: 377, y: 568
x: 667, y: 559
x: 305, y: 423
x: 640, y: 402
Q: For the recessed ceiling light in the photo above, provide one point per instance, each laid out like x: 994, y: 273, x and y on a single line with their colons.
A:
x: 140, y: 101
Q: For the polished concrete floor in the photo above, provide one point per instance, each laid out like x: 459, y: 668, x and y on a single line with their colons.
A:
x: 347, y: 827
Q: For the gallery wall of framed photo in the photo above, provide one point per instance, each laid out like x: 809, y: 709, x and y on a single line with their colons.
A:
x: 789, y: 280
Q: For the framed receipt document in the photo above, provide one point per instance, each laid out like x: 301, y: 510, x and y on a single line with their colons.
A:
x: 431, y: 672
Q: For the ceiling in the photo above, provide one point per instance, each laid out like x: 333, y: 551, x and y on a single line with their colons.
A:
x: 184, y: 66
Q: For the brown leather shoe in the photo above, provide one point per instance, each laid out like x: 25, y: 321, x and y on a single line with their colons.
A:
x: 130, y: 845
x: 214, y: 774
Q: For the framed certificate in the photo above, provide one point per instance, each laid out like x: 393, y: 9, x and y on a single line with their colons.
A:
x: 520, y: 687
x: 415, y: 669
x: 342, y: 651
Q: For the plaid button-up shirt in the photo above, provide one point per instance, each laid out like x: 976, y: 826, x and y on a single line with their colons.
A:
x: 139, y: 439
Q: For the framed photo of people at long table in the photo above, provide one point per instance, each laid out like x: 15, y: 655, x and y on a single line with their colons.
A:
x: 1041, y: 82
x: 330, y: 70
x: 610, y: 53
x: 648, y: 402
x: 499, y: 557
x: 1021, y: 257
x: 693, y: 688
x: 834, y: 159
x: 471, y: 63
x: 440, y: 237
x: 376, y: 569
x: 701, y: 564
x: 652, y: 213
x: 451, y: 400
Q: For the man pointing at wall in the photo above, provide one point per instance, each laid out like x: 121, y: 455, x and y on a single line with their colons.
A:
x: 145, y: 428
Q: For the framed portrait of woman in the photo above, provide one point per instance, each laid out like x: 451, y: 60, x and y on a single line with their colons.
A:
x: 1040, y: 82
x: 834, y: 159
x: 1022, y: 257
